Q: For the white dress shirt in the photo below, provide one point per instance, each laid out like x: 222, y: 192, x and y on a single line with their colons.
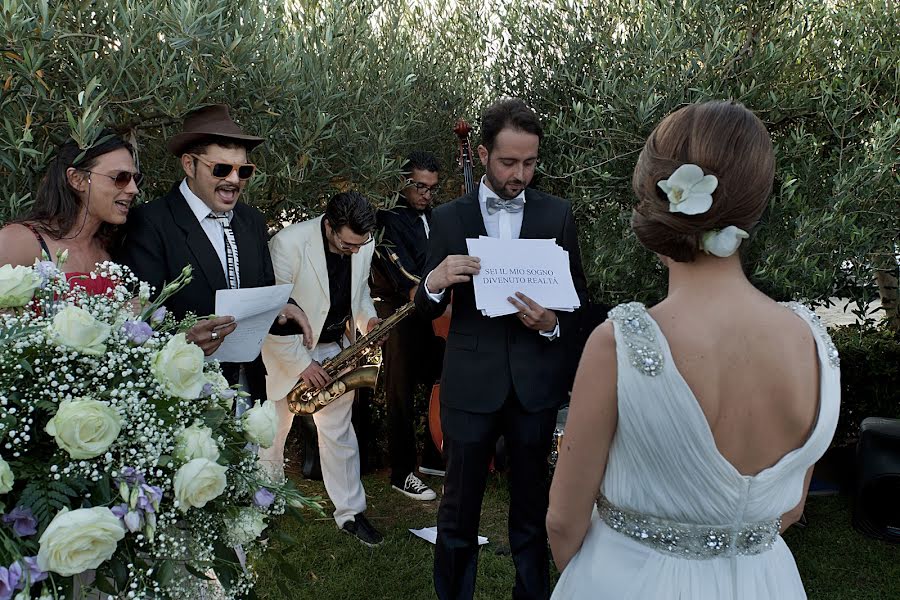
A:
x: 210, y: 227
x: 503, y: 225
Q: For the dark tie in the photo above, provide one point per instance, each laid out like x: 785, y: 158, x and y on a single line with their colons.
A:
x: 231, y: 253
x: 513, y: 205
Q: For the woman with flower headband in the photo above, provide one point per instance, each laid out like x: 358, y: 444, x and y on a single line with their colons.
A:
x: 697, y: 420
x: 84, y: 196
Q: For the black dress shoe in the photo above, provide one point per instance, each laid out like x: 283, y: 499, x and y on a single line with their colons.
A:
x: 362, y: 530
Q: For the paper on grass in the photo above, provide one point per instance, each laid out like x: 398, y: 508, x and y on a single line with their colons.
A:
x: 254, y: 310
x: 429, y: 534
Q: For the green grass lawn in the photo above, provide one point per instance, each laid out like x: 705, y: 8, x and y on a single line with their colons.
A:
x: 835, y: 561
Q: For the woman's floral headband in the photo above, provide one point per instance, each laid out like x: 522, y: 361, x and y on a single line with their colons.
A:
x: 690, y: 192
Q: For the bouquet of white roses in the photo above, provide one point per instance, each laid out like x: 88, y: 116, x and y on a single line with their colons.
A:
x: 123, y: 469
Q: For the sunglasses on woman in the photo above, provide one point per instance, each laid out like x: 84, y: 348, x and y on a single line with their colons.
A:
x: 221, y: 170
x: 122, y: 178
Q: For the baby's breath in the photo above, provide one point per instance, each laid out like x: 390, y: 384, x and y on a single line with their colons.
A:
x: 41, y: 368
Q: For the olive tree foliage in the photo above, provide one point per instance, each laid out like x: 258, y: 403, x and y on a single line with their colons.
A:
x: 340, y: 90
x: 823, y: 76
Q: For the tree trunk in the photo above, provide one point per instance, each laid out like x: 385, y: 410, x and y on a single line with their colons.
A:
x: 890, y: 299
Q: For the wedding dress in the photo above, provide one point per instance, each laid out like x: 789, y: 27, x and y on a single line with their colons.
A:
x: 675, y: 520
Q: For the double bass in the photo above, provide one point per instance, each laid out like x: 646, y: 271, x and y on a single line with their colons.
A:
x: 441, y: 325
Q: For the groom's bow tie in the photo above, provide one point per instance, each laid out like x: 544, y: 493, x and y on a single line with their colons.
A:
x: 513, y: 205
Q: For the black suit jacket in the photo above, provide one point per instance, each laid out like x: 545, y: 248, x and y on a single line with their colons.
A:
x: 163, y: 236
x: 486, y: 356
x: 403, y: 243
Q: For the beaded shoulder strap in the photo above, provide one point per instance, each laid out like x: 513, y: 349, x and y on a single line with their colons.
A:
x: 818, y: 329
x: 644, y: 351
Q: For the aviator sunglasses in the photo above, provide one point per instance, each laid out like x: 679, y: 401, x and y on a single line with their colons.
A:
x: 221, y: 170
x: 122, y: 178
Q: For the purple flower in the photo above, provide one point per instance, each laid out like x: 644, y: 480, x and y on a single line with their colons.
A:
x: 263, y: 498
x: 228, y: 393
x: 207, y: 390
x: 120, y: 510
x: 9, y: 579
x: 149, y: 497
x: 22, y: 521
x: 32, y: 572
x: 137, y: 332
x: 158, y: 316
x: 133, y: 520
x: 46, y: 270
x: 130, y: 476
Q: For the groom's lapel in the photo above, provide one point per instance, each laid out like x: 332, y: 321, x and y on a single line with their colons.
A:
x: 470, y: 215
x: 531, y: 217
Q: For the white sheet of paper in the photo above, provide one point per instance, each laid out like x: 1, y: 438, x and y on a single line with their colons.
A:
x: 429, y: 534
x: 536, y: 267
x: 254, y: 310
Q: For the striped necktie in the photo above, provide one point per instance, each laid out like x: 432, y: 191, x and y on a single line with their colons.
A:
x: 231, y: 253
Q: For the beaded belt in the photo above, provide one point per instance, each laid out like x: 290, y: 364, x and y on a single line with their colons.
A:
x: 691, y: 541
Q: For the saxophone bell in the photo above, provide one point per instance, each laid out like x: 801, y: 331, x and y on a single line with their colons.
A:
x: 346, y: 370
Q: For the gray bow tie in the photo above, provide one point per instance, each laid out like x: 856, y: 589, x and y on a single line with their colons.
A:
x: 513, y: 205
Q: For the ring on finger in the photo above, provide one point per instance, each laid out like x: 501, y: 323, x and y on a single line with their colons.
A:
x: 214, y: 335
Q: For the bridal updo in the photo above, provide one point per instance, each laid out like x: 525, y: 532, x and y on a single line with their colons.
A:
x: 723, y: 139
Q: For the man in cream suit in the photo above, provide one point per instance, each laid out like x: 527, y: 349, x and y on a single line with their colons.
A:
x: 328, y: 260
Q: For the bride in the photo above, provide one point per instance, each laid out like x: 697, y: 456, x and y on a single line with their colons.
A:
x: 697, y: 420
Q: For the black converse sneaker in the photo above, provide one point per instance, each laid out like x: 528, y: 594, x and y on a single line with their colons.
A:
x: 362, y: 530
x: 415, y: 489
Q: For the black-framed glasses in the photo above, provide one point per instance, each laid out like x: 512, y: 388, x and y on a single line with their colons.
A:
x: 422, y: 188
x: 221, y: 170
x: 347, y: 245
x: 122, y: 178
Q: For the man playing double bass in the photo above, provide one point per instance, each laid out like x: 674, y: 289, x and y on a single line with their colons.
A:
x: 505, y: 375
x: 412, y: 353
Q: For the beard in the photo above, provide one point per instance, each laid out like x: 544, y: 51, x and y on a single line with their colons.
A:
x: 500, y: 187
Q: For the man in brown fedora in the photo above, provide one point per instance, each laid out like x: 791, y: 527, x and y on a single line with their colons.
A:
x: 201, y: 223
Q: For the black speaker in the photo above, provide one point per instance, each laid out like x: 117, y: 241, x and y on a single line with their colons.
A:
x: 876, y: 511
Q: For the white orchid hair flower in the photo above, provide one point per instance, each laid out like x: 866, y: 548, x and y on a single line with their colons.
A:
x: 689, y: 190
x: 723, y: 242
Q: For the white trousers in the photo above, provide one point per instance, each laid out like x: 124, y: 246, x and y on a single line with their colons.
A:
x: 338, y: 447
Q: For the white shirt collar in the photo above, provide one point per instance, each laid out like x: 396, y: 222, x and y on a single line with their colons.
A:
x: 198, y: 206
x: 484, y: 191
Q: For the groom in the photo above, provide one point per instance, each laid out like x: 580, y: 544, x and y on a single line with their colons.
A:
x: 505, y: 375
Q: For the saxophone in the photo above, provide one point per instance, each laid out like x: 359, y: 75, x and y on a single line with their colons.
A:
x: 305, y: 399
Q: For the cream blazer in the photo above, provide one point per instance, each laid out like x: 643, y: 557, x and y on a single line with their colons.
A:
x: 298, y: 257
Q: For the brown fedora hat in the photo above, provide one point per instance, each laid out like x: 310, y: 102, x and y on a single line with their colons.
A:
x: 207, y: 122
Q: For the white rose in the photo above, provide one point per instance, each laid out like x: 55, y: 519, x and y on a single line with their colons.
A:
x: 246, y: 526
x: 77, y: 328
x: 260, y: 424
x: 198, y: 482
x: 196, y: 442
x: 78, y: 540
x: 17, y: 285
x: 6, y: 477
x: 178, y: 366
x: 84, y: 428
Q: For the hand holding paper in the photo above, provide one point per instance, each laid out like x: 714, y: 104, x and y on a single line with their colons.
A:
x: 533, y: 315
x: 210, y: 333
x: 455, y: 268
x: 254, y: 311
